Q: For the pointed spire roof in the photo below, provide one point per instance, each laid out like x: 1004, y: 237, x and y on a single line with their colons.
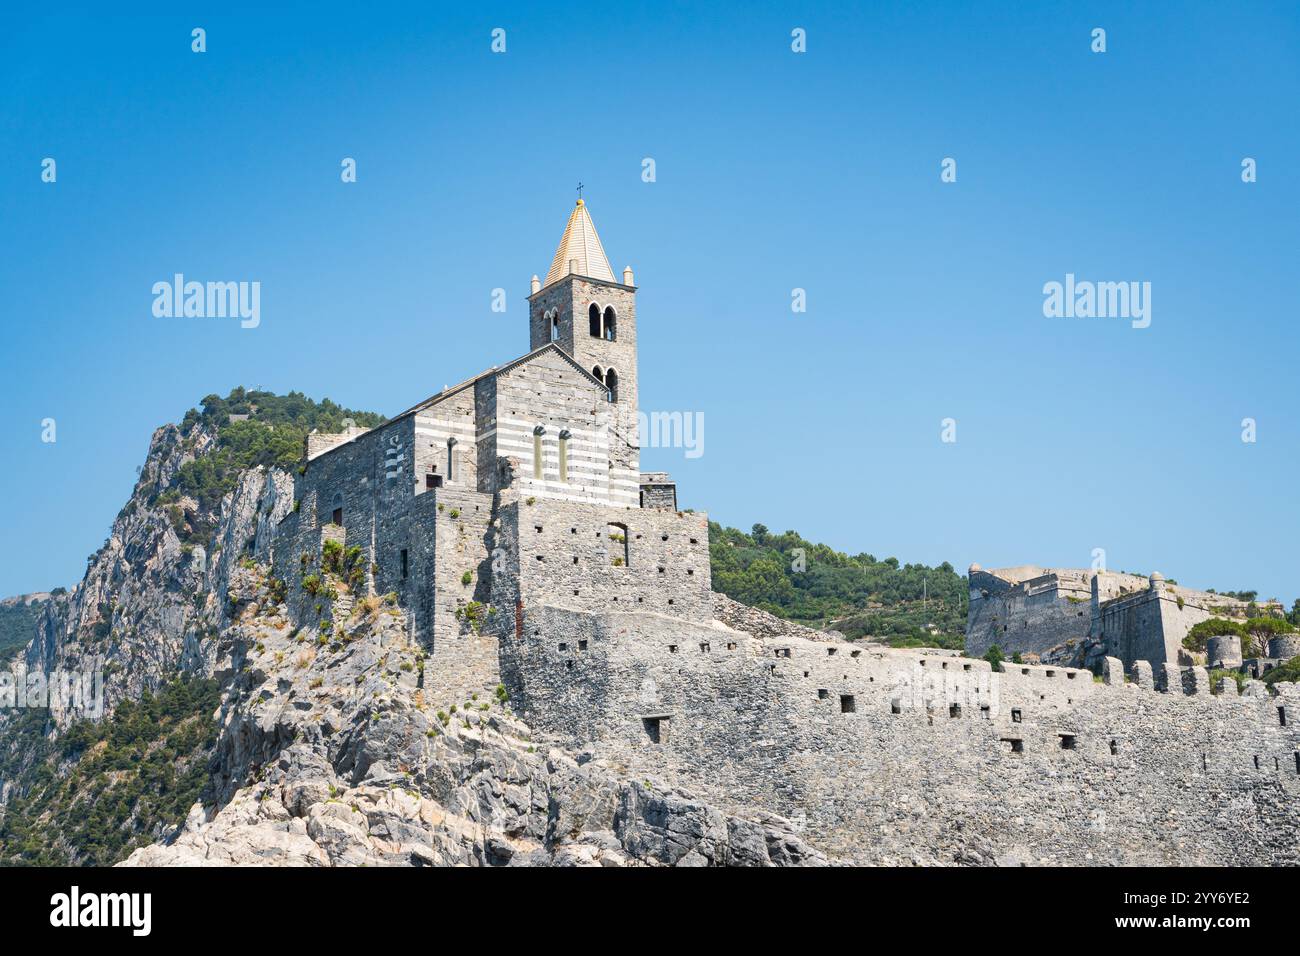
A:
x: 580, y: 242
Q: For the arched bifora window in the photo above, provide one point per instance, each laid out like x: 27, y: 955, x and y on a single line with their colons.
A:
x: 565, y: 435
x: 611, y: 385
x: 593, y: 320
x: 553, y: 324
x: 538, y: 432
x: 451, y: 460
x: 609, y: 323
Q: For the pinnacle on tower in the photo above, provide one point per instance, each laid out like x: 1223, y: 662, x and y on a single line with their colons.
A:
x: 580, y: 251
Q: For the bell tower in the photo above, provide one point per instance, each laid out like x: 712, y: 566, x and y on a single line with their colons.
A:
x: 590, y: 314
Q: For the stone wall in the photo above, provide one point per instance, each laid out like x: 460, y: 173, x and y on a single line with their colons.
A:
x: 894, y: 756
x: 1029, y: 617
x: 591, y: 558
x: 550, y: 394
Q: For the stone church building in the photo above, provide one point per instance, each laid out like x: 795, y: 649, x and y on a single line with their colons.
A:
x: 520, y: 487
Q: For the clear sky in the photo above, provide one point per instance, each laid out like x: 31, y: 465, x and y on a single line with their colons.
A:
x: 775, y: 170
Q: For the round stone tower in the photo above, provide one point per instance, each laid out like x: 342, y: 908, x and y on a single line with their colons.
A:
x: 1284, y: 646
x: 1223, y: 651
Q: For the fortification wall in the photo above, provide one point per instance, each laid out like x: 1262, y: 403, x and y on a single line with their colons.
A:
x: 894, y: 756
x: 1027, y: 612
x: 592, y: 558
x: 1029, y: 618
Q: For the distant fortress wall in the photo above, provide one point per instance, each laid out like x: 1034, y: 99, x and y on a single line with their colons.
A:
x: 1032, y: 610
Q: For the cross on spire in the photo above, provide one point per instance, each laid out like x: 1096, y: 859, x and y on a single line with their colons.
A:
x: 579, y: 192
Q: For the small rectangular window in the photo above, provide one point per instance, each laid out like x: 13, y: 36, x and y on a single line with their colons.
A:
x: 1015, y: 715
x: 405, y: 565
x: 847, y: 704
x: 656, y: 728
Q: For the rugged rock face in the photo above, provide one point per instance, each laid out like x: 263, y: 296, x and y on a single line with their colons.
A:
x: 330, y: 755
x: 147, y: 603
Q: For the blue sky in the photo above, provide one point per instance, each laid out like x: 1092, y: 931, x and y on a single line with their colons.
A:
x: 775, y: 170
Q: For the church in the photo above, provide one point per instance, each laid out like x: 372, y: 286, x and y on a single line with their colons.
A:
x: 517, y: 489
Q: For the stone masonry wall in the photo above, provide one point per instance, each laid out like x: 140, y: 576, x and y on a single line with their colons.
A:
x: 894, y: 756
x: 567, y: 557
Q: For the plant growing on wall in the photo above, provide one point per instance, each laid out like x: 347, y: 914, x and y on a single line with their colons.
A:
x: 331, y: 552
x: 473, y: 613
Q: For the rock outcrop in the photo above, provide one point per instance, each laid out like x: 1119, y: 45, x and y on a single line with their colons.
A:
x: 329, y: 754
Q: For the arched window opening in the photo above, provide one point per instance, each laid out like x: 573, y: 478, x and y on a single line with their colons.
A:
x: 611, y: 385
x: 538, y: 432
x: 553, y: 324
x: 564, y: 454
x: 593, y: 320
x: 451, y: 460
x: 597, y: 374
x: 609, y: 323
x: 618, y: 552
x: 337, y: 504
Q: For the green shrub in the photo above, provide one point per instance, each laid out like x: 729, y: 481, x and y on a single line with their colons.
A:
x: 331, y: 553
x: 1288, y: 671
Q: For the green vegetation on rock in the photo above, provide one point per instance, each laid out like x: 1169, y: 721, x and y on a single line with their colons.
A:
x: 904, y: 605
x: 272, y: 435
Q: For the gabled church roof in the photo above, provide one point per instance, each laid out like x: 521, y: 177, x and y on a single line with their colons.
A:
x: 498, y: 370
x: 580, y: 242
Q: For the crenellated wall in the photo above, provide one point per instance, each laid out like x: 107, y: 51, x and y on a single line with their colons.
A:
x: 897, y: 756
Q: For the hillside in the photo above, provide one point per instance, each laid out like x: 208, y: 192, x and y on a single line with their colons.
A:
x: 858, y: 595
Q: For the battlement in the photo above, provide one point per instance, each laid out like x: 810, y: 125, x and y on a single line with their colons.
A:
x: 838, y: 731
